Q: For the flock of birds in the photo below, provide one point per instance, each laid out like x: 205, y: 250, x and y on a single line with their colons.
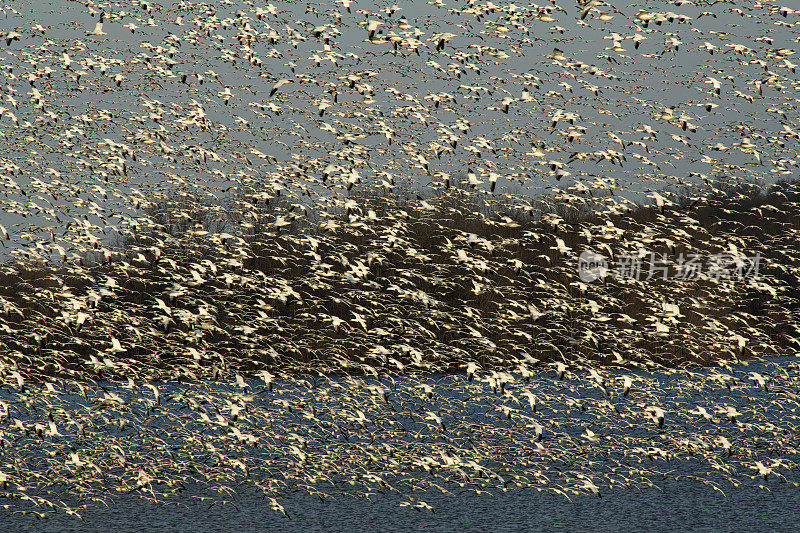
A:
x: 360, y: 203
x: 150, y: 102
x: 571, y: 431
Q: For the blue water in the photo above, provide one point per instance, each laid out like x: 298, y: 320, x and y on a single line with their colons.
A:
x: 649, y: 477
x: 677, y: 507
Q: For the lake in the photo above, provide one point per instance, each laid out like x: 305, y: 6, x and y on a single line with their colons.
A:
x: 363, y: 453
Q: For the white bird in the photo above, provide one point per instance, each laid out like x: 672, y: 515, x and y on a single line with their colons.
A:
x: 98, y: 29
x: 656, y: 414
x: 280, y: 83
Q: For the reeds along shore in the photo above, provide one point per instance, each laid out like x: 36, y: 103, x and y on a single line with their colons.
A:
x: 389, y: 284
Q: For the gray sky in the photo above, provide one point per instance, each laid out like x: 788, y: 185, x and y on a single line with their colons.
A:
x: 120, y: 94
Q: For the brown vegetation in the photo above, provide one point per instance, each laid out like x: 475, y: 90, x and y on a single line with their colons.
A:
x: 394, y: 283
